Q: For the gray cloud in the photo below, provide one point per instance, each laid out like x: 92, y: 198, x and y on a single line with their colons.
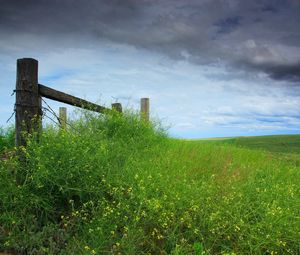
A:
x: 277, y: 71
x: 249, y: 36
x: 284, y: 72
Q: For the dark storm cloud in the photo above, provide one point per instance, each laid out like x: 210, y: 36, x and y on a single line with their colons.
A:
x: 284, y: 72
x: 252, y: 36
x: 276, y: 71
x: 228, y: 25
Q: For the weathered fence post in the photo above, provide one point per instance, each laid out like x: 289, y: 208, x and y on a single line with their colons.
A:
x: 145, y: 109
x: 63, y: 117
x: 28, y: 101
x: 117, y: 107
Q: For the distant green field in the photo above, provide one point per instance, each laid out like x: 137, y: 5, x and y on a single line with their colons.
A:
x: 276, y: 143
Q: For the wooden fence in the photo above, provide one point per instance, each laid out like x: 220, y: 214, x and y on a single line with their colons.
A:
x: 29, y: 95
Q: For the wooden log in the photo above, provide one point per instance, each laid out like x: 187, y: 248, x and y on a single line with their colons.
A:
x: 145, y: 109
x: 28, y: 100
x: 63, y: 117
x: 71, y: 100
x: 117, y: 107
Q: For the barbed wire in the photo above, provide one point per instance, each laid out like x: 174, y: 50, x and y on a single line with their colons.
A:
x: 58, y: 122
x: 13, y: 113
x: 14, y: 110
x: 52, y: 111
x: 44, y: 114
x: 58, y: 119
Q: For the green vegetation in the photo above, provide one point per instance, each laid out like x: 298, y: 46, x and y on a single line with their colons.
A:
x: 115, y: 185
x: 6, y: 139
x: 273, y: 143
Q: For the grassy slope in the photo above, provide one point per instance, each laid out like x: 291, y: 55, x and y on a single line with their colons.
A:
x: 118, y: 186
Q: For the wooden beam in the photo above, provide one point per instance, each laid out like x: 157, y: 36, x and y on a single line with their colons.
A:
x: 28, y: 100
x: 71, y: 100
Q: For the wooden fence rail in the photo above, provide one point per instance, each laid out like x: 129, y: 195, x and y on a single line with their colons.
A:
x: 29, y: 95
x: 71, y: 100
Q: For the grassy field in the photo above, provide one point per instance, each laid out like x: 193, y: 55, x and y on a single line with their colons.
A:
x: 277, y: 143
x: 115, y: 185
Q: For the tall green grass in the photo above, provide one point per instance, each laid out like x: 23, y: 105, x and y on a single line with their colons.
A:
x: 7, y: 139
x: 115, y: 185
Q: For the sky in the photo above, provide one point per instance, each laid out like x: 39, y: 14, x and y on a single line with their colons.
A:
x: 211, y: 68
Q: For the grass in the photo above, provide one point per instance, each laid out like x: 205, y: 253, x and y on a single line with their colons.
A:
x: 6, y: 139
x: 275, y: 143
x: 116, y: 185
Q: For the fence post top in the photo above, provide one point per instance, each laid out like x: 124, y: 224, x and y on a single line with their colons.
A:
x: 117, y: 107
x: 27, y: 60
